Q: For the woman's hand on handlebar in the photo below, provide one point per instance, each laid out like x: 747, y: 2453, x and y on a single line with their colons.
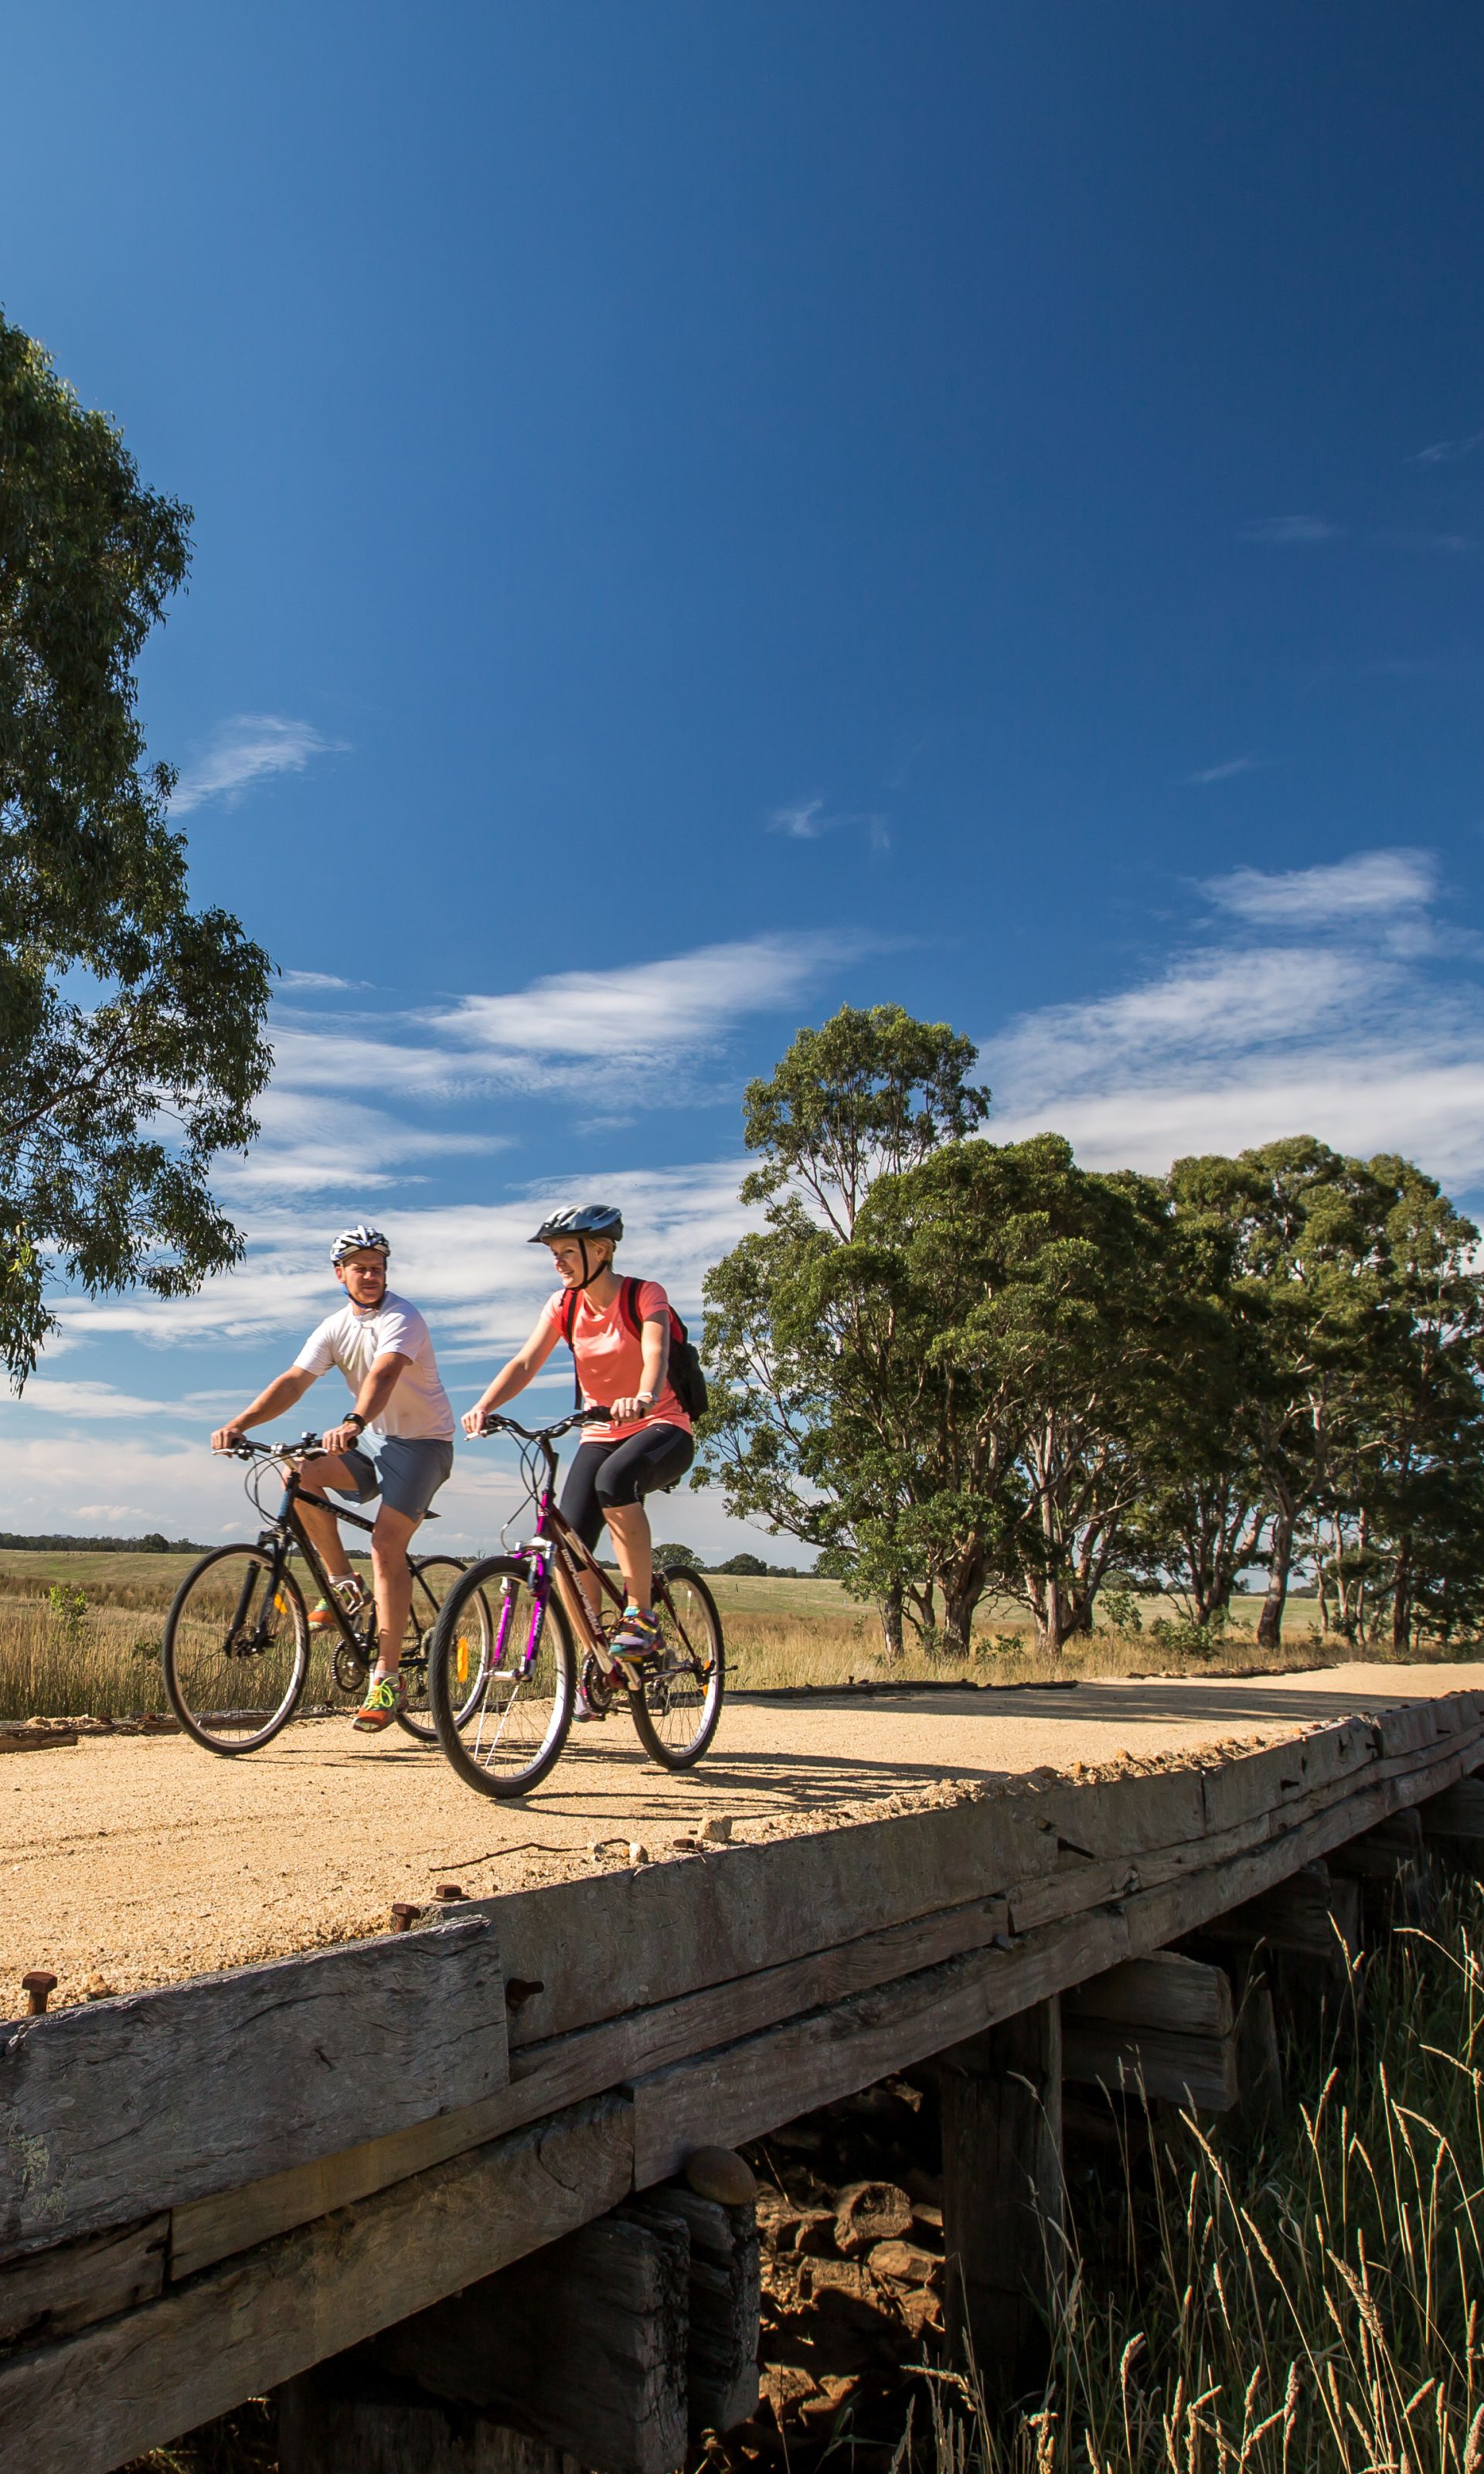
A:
x: 473, y: 1421
x: 639, y: 1404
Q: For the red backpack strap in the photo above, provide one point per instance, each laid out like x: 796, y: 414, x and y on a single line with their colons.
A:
x: 569, y: 1315
x: 630, y: 1304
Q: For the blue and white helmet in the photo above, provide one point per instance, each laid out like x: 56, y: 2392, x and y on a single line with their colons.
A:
x: 356, y: 1240
x: 582, y: 1220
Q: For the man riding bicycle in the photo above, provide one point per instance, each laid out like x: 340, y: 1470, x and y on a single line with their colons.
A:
x: 619, y: 1335
x: 382, y: 1347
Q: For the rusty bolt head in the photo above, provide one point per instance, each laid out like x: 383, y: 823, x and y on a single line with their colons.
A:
x: 447, y: 1893
x: 38, y: 1987
x: 402, y: 1915
x: 519, y: 1989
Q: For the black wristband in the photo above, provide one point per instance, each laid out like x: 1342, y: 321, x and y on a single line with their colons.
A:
x: 356, y: 1420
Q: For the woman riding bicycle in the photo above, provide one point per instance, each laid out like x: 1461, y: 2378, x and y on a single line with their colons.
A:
x: 619, y: 1335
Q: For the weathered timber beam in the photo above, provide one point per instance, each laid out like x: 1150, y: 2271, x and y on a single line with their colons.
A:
x: 1379, y: 1854
x: 726, y: 2297
x: 583, y: 2345
x: 156, y: 2098
x: 1183, y: 1997
x: 1453, y: 1823
x: 1000, y: 2094
x: 86, y: 2404
x: 581, y: 2064
x: 1148, y: 2061
x: 712, y: 1918
x: 52, y: 2294
x: 1313, y: 1914
x: 357, y: 2424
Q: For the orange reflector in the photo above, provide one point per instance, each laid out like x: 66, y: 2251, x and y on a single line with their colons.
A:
x: 463, y: 1660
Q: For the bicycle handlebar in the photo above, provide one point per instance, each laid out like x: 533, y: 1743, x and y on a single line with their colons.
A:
x: 495, y: 1424
x: 305, y: 1449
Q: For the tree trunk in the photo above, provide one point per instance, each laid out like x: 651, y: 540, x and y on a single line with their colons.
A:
x: 1402, y: 1600
x: 1053, y: 1619
x: 1270, y: 1623
x: 962, y: 1587
x: 889, y: 1608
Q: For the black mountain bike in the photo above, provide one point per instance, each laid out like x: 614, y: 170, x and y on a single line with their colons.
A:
x: 238, y: 1650
x: 504, y: 1732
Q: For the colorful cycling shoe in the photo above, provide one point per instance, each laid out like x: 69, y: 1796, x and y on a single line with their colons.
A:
x: 352, y: 1597
x: 382, y: 1705
x: 638, y: 1635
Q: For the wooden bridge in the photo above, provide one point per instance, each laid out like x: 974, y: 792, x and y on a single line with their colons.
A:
x: 220, y: 2187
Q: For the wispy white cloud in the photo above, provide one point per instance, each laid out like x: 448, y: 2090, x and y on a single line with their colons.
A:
x: 1448, y: 450
x: 1369, y: 883
x: 1292, y: 531
x: 318, y: 980
x: 1334, y: 1030
x: 1402, y: 537
x: 62, y: 1398
x: 1227, y: 773
x: 245, y: 749
x: 808, y: 820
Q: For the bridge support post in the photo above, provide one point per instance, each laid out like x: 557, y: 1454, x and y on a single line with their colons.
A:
x: 573, y: 2357
x: 1001, y: 2105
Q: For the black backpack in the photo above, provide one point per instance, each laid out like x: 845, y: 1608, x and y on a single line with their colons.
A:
x: 685, y: 1376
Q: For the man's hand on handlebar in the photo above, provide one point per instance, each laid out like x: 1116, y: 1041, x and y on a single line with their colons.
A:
x: 226, y: 1439
x: 341, y: 1438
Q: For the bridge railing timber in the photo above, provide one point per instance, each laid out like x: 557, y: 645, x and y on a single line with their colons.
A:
x: 206, y: 2190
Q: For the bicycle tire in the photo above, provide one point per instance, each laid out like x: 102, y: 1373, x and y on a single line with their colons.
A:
x: 415, y: 1716
x: 485, y: 1748
x: 665, y: 1694
x: 192, y: 1663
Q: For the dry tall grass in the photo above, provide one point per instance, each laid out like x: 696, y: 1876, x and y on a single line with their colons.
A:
x: 1311, y: 2306
x: 767, y: 1651
x: 70, y: 1662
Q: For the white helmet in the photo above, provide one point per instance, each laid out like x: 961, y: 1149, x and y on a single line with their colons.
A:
x: 356, y: 1240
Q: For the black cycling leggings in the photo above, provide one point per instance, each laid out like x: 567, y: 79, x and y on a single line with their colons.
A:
x: 622, y: 1472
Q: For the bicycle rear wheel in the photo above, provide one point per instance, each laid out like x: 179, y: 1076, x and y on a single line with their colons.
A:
x: 503, y: 1739
x: 433, y: 1577
x: 679, y: 1709
x: 237, y: 1649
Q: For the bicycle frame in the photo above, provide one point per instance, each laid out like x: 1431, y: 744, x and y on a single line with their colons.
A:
x: 558, y: 1555
x: 288, y: 1530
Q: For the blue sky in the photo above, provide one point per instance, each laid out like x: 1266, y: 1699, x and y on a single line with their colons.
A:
x: 703, y: 514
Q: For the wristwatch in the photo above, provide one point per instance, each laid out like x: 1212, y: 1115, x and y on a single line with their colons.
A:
x: 356, y: 1420
x: 647, y: 1398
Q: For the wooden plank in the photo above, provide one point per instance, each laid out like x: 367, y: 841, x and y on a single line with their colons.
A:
x: 1457, y: 1813
x: 51, y: 2293
x: 568, y: 2068
x: 714, y: 1918
x: 1186, y: 1997
x: 161, y: 2096
x: 86, y: 2404
x: 1000, y: 2095
x: 1277, y: 1775
x: 39, y: 1741
x: 1185, y: 2069
x: 1311, y: 1913
x: 752, y: 2086
x: 726, y: 2299
x: 583, y: 2346
x: 395, y: 2428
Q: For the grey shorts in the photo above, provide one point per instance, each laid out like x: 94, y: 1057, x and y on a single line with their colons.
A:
x: 406, y: 1473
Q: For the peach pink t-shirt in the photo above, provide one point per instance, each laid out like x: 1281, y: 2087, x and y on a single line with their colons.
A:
x: 610, y: 1357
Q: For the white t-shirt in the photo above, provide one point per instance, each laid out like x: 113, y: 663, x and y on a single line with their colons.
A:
x: 355, y: 1337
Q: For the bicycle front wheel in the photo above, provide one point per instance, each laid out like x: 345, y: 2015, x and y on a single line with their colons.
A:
x: 237, y: 1649
x: 504, y: 1738
x: 433, y: 1578
x: 679, y: 1709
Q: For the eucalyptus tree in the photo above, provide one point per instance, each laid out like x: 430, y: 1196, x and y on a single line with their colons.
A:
x: 870, y: 1093
x: 130, y: 1024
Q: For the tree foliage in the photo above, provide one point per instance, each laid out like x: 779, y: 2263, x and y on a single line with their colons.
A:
x: 131, y: 1026
x: 956, y: 1366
